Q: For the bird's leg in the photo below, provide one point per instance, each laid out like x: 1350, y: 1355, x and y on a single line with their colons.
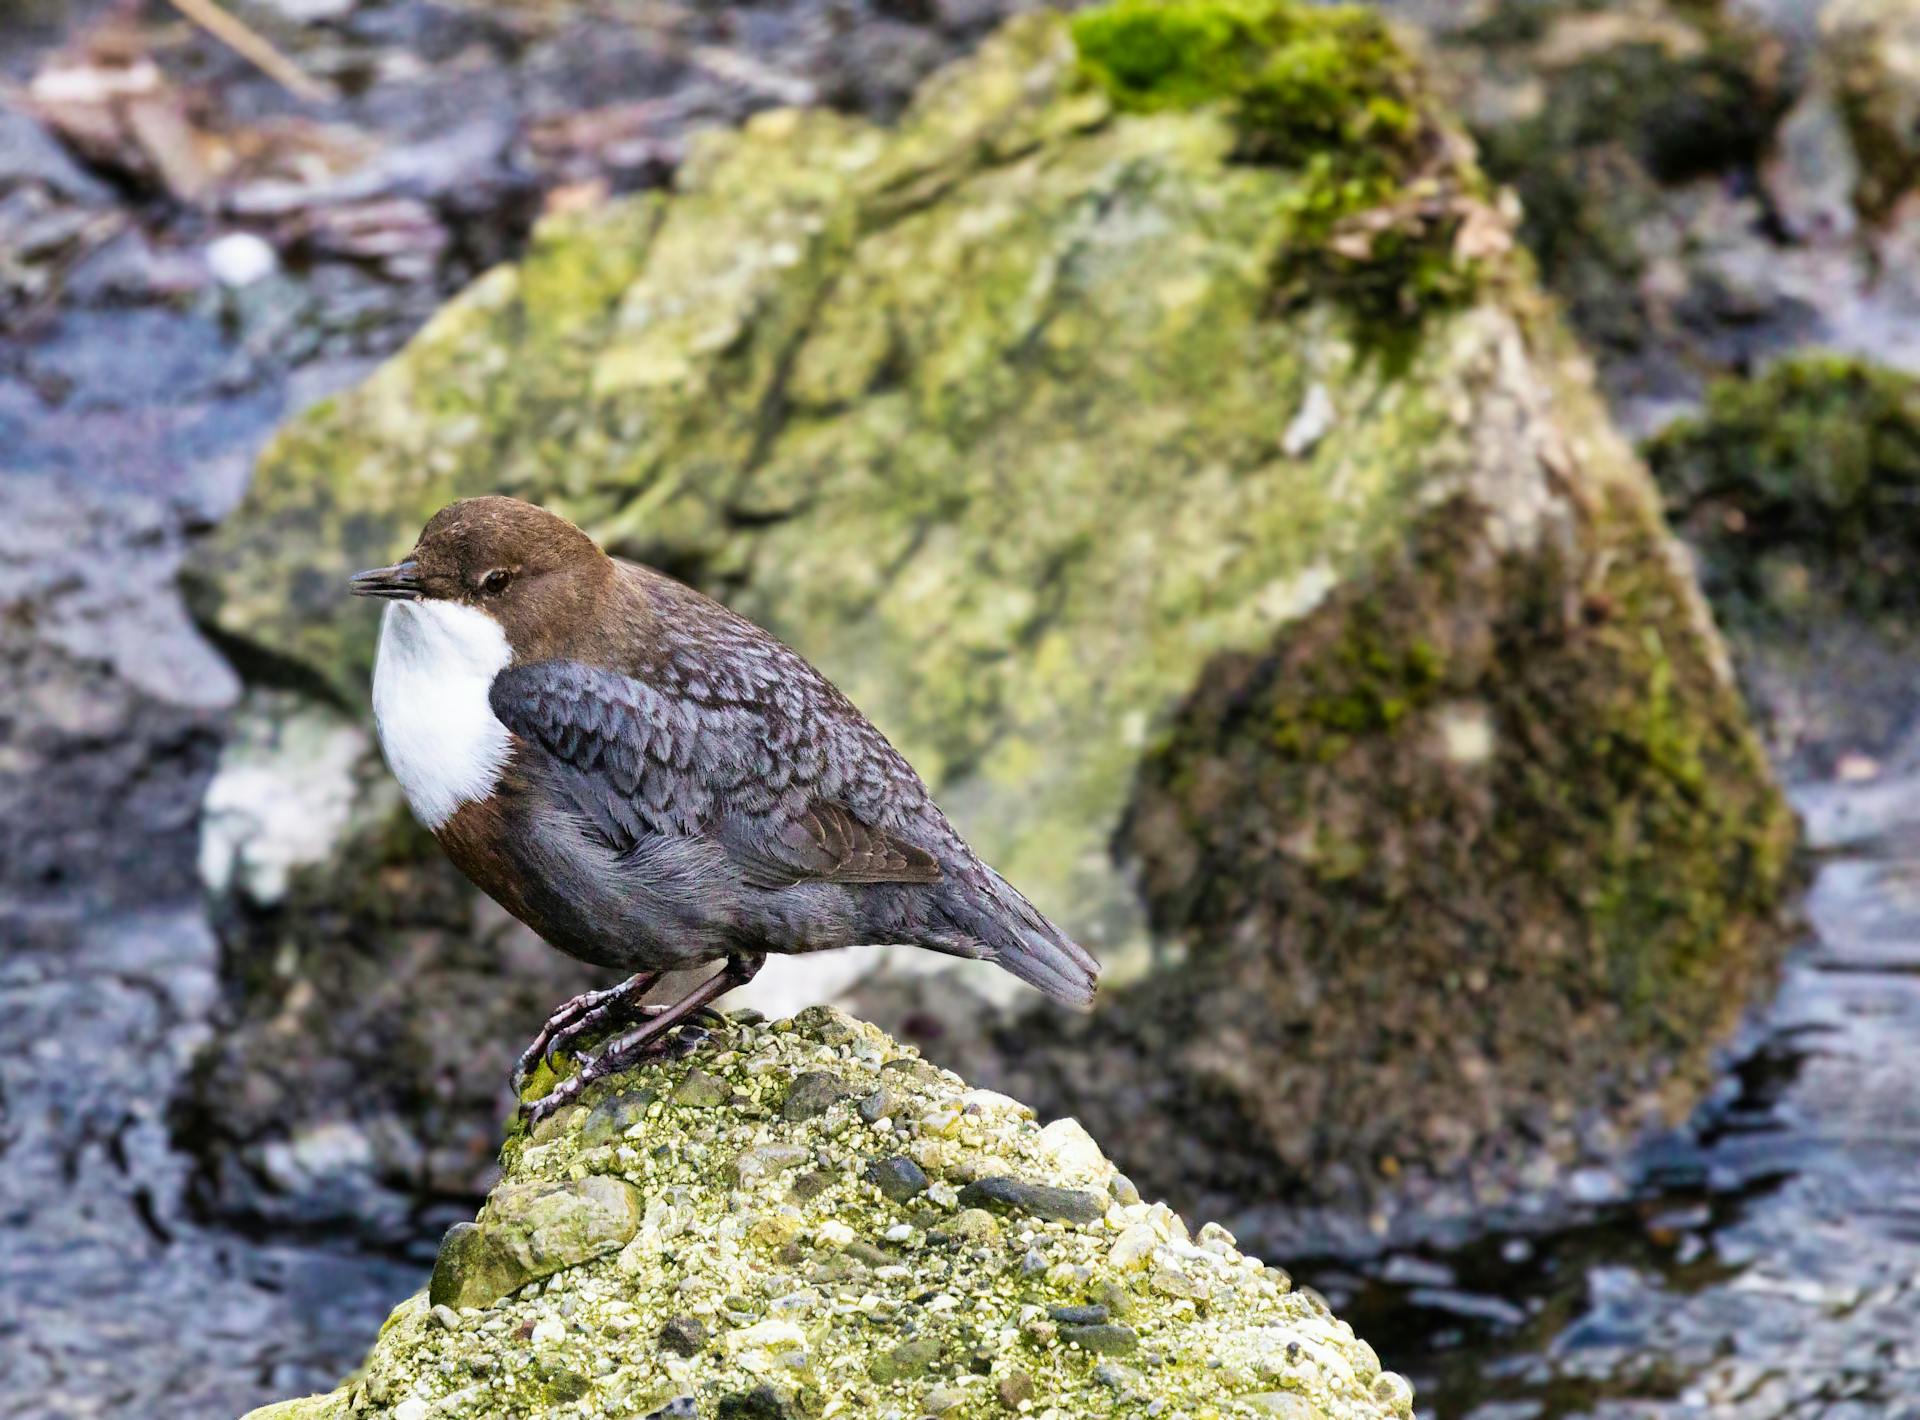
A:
x: 643, y: 1040
x: 577, y: 1017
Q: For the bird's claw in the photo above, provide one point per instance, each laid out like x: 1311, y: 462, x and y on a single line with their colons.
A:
x: 672, y: 1045
x: 670, y: 1031
x: 574, y: 1018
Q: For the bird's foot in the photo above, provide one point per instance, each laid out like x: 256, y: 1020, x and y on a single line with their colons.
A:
x: 655, y: 1037
x: 580, y: 1016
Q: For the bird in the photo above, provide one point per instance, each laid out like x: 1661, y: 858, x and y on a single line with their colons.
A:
x: 653, y: 783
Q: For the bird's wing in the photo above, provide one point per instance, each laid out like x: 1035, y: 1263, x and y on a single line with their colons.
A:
x: 726, y: 750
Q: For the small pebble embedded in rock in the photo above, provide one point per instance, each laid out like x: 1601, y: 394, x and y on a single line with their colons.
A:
x: 764, y: 1160
x: 615, y: 1115
x: 684, y: 1336
x: 763, y: 1402
x: 1107, y: 1339
x: 1078, y: 1316
x: 699, y: 1090
x: 1014, y: 1389
x: 899, y: 1177
x: 812, y: 1095
x: 1041, y: 1200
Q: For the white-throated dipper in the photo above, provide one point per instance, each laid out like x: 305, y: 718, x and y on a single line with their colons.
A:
x: 652, y: 782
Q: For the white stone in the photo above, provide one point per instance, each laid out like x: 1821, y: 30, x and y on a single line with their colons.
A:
x: 833, y: 1233
x: 280, y: 800
x: 241, y: 258
x: 1067, y: 1145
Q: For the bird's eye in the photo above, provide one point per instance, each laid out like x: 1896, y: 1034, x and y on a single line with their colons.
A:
x: 495, y: 582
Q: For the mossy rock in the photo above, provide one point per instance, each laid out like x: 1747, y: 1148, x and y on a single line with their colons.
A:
x: 1040, y: 418
x: 750, y: 1300
x: 1796, y: 487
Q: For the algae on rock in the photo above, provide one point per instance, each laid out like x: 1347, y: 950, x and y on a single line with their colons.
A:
x: 806, y: 1290
x: 1039, y: 420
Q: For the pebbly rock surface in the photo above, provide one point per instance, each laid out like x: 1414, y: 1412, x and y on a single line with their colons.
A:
x: 1177, y: 463
x: 723, y: 1258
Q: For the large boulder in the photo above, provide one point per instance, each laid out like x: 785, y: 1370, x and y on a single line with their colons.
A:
x: 911, y: 1248
x: 1155, y: 433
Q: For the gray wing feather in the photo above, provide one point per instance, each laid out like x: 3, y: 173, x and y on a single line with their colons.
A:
x: 734, y: 753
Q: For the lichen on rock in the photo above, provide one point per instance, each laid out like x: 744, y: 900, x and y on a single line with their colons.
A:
x: 646, y: 1273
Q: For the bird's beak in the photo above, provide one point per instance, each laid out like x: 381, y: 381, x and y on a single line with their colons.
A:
x: 400, y: 582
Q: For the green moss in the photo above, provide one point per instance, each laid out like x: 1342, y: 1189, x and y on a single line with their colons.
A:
x: 1328, y: 90
x: 1367, y: 684
x: 1297, y: 80
x: 1798, y: 487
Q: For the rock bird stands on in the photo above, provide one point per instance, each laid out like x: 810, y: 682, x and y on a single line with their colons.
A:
x: 652, y: 783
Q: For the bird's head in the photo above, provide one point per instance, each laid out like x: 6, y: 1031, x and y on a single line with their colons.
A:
x: 533, y: 572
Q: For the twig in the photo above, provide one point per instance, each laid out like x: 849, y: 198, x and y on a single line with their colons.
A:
x: 247, y: 42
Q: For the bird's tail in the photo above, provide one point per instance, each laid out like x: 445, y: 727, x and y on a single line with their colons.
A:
x: 1017, y: 937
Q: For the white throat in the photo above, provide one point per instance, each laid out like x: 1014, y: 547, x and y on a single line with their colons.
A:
x: 430, y: 680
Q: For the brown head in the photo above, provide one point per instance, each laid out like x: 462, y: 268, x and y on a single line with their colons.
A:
x: 532, y: 571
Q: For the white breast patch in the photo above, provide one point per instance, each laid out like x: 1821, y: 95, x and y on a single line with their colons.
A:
x: 430, y: 681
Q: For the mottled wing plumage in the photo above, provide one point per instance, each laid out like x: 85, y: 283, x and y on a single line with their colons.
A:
x: 690, y: 741
x: 729, y: 749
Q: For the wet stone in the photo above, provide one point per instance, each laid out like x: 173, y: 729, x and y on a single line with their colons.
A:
x: 899, y: 1177
x: 1040, y: 1200
x: 1079, y: 1316
x: 614, y: 1116
x: 812, y: 1095
x: 699, y: 1090
x: 684, y: 1336
x: 1105, y: 1339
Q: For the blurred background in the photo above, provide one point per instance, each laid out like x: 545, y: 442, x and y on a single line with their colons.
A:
x: 1397, y: 526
